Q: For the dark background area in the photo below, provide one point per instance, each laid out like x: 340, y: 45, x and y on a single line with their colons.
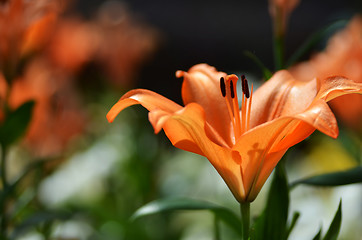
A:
x: 218, y: 32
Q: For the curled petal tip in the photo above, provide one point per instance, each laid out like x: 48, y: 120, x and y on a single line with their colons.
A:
x: 179, y: 73
x: 109, y: 119
x: 335, y: 132
x: 111, y: 115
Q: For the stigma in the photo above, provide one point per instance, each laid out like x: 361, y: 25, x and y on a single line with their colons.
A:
x: 239, y: 116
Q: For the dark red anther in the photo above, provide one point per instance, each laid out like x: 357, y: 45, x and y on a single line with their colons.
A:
x: 232, y: 94
x: 245, y: 86
x: 222, y: 87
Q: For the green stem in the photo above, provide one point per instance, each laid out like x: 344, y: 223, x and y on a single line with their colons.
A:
x: 279, y: 26
x: 4, y: 182
x: 217, y: 228
x: 245, y: 219
x: 279, y: 51
x: 3, y: 168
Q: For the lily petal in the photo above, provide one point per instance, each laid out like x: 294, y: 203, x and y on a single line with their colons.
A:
x: 271, y: 160
x: 260, y: 151
x: 158, y: 117
x: 148, y: 99
x: 317, y: 116
x: 186, y: 130
x: 202, y: 85
x: 254, y: 148
x: 281, y: 95
x: 295, y: 131
x: 337, y: 86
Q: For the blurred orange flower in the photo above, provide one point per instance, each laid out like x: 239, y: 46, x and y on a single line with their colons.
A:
x: 243, y: 145
x: 24, y: 27
x: 342, y: 57
x: 73, y: 44
x: 125, y: 43
x: 114, y: 41
x: 57, y: 116
x: 59, y: 47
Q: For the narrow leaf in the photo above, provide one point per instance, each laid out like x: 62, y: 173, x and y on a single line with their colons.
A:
x: 266, y: 72
x: 350, y: 176
x: 292, y: 224
x: 173, y: 204
x: 16, y: 123
x: 37, y: 219
x: 333, y: 230
x: 318, y: 235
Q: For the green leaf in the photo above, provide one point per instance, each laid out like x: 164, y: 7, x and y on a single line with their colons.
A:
x: 172, y: 204
x: 350, y: 176
x: 292, y: 224
x: 313, y: 40
x: 16, y: 123
x: 266, y: 72
x: 333, y: 230
x: 318, y: 235
x: 272, y: 224
x: 38, y: 218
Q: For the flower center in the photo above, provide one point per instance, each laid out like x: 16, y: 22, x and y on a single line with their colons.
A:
x: 240, y: 118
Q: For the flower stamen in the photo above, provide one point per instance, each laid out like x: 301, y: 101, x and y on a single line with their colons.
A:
x: 234, y: 96
x: 245, y: 86
x: 249, y: 108
x: 223, y: 92
x: 222, y: 87
x: 246, y: 107
x: 240, y: 119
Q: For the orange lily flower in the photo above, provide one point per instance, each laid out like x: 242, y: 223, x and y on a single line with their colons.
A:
x: 243, y: 145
